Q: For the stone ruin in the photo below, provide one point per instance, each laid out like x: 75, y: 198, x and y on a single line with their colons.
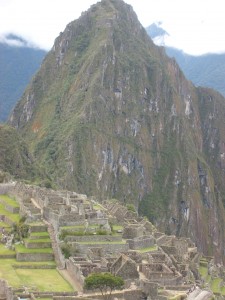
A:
x: 145, y: 258
x: 125, y: 267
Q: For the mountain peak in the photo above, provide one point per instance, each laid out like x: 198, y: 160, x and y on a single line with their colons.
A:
x: 110, y: 115
x: 157, y: 33
x: 14, y: 41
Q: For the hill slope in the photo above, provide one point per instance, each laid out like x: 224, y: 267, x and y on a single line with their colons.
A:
x: 110, y: 115
x: 15, y: 158
x: 17, y: 66
x: 205, y: 70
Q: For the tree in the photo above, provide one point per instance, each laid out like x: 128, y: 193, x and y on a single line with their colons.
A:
x: 105, y: 282
x: 20, y: 230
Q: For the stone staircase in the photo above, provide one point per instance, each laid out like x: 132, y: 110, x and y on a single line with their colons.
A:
x: 59, y: 258
x: 37, y: 247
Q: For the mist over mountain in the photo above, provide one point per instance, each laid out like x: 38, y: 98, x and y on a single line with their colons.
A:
x: 109, y: 114
x: 205, y: 70
x: 18, y: 63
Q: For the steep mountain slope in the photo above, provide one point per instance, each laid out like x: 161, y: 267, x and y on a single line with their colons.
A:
x: 17, y: 66
x: 205, y: 70
x: 110, y: 115
x: 15, y: 158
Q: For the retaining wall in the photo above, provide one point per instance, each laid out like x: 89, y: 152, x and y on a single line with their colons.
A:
x: 6, y: 292
x: 33, y: 245
x: 92, y: 238
x: 6, y: 188
x: 110, y: 248
x: 34, y: 256
x: 142, y: 242
x: 74, y: 271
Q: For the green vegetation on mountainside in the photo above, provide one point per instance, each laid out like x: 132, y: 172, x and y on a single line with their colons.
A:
x: 205, y: 70
x: 14, y: 155
x: 110, y: 115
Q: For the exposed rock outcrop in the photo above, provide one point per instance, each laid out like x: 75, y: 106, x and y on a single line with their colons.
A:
x: 110, y: 115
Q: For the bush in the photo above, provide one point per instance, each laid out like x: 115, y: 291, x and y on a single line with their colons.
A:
x: 131, y: 207
x: 101, y: 232
x: 66, y: 250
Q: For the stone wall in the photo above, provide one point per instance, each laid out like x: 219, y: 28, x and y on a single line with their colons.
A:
x: 107, y: 248
x: 33, y: 245
x: 181, y: 245
x: 34, y: 257
x: 70, y: 219
x: 164, y: 240
x: 74, y: 270
x: 6, y: 188
x: 51, y: 217
x: 38, y: 228
x: 125, y: 267
x: 161, y: 274
x: 141, y: 242
x: 133, y: 231
x: 92, y: 238
x: 120, y: 295
x: 12, y: 209
x: 98, y: 221
x: 6, y: 292
x: 170, y: 250
x: 8, y: 221
x: 158, y: 257
x: 149, y: 288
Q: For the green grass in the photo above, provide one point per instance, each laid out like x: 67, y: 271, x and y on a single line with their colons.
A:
x: 98, y: 207
x: 5, y: 225
x: 9, y: 201
x: 39, y: 279
x: 149, y: 249
x: 23, y: 249
x: 5, y: 251
x: 44, y: 281
x: 203, y: 271
x: 13, y: 217
x: 42, y: 234
x: 117, y: 227
x: 34, y: 263
x: 37, y: 240
x: 215, y: 283
x: 223, y: 290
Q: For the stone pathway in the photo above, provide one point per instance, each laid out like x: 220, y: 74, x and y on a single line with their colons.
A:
x: 36, y: 204
x: 61, y: 264
x: 55, y: 247
x: 199, y: 294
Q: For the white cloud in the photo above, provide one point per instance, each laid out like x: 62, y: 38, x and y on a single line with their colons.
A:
x: 39, y: 21
x: 194, y: 26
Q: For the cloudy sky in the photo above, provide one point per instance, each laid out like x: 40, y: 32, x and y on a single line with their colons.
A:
x: 196, y: 26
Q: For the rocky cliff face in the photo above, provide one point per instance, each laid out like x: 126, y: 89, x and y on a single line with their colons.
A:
x: 110, y: 115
